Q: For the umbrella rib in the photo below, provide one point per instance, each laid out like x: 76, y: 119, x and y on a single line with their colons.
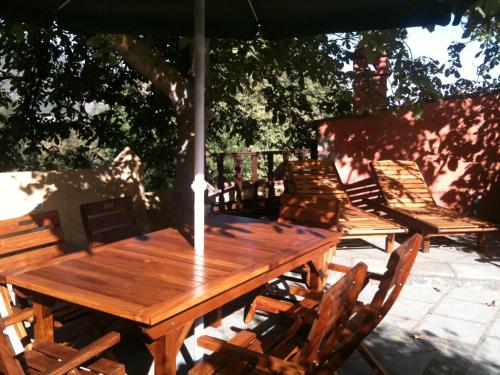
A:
x: 253, y: 11
x: 63, y: 5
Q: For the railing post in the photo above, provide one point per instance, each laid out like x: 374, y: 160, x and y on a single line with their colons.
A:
x: 285, y: 170
x: 270, y: 177
x: 238, y: 178
x: 220, y: 180
x: 255, y: 179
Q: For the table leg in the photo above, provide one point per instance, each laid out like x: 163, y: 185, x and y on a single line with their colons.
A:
x: 44, y: 320
x: 319, y: 269
x: 164, y: 349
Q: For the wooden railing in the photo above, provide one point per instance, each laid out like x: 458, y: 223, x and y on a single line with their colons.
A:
x: 255, y: 202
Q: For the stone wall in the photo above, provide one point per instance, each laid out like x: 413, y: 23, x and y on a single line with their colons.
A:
x: 25, y: 192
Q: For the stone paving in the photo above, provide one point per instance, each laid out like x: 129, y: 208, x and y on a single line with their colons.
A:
x: 447, y: 318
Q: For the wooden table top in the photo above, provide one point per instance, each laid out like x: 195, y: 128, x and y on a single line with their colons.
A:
x: 155, y: 276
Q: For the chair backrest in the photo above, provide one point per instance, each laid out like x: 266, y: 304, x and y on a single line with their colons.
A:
x: 393, y: 280
x: 402, y: 185
x: 109, y: 221
x: 398, y: 269
x: 9, y: 365
x: 333, y: 313
x: 30, y: 239
x: 313, y: 210
x: 316, y: 177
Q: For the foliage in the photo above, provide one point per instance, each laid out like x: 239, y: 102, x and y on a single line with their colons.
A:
x: 69, y: 101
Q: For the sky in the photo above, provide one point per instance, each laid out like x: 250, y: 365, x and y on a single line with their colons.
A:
x: 434, y: 44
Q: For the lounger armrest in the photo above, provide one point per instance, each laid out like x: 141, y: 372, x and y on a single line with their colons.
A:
x: 85, y: 354
x: 18, y: 316
x: 275, y: 364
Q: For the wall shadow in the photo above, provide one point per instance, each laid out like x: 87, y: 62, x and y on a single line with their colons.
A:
x: 25, y: 192
x: 455, y: 143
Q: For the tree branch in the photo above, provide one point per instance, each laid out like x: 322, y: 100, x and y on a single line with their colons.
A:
x: 141, y: 56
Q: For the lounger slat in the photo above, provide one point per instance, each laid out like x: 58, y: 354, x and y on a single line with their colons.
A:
x: 409, y: 200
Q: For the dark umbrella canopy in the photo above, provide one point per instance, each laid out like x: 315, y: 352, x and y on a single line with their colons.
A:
x: 239, y: 19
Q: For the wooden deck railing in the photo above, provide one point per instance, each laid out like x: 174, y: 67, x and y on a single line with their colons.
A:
x: 255, y: 201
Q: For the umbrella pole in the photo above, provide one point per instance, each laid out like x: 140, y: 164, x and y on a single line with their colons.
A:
x: 199, y: 184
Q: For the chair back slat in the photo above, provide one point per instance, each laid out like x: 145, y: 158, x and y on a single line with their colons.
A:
x: 398, y: 269
x: 333, y: 313
x: 309, y: 210
x: 315, y: 177
x: 109, y: 221
x: 401, y: 183
x: 29, y: 239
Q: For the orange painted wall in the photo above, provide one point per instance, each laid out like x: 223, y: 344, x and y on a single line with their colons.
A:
x: 456, y: 144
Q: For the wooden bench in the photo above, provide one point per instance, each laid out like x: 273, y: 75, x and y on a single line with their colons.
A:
x: 55, y: 359
x: 27, y: 242
x: 407, y: 199
x: 320, y: 182
x: 109, y: 221
x: 291, y: 351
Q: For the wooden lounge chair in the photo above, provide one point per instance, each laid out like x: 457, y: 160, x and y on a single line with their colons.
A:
x: 248, y: 352
x: 407, y: 199
x: 28, y: 241
x: 55, y: 359
x: 366, y: 317
x: 109, y: 221
x: 316, y: 184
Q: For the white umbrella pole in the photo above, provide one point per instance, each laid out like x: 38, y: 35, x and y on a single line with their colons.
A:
x: 199, y: 184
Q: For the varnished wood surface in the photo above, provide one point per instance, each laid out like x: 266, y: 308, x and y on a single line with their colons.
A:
x: 320, y: 181
x: 405, y: 191
x: 155, y: 276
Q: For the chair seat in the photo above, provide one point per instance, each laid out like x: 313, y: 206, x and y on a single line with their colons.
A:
x: 47, y: 355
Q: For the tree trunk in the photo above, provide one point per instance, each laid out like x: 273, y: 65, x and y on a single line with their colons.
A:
x: 179, y: 89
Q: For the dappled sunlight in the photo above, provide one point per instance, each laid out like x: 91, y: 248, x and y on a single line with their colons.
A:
x: 24, y: 192
x: 455, y: 144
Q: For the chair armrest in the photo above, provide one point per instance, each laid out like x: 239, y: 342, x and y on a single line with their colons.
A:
x: 18, y: 316
x: 267, y: 304
x: 345, y: 269
x: 259, y: 359
x: 83, y: 355
x: 339, y: 268
x: 364, y: 309
x: 306, y: 293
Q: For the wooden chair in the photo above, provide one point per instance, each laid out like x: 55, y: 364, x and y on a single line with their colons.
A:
x: 25, y: 242
x: 366, y: 316
x: 407, y: 199
x: 109, y: 221
x: 55, y: 359
x: 314, y: 183
x: 291, y: 352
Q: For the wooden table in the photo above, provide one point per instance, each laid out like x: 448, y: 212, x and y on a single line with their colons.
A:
x: 156, y: 281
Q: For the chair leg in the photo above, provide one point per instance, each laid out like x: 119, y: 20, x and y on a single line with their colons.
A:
x: 426, y: 244
x: 389, y: 243
x: 481, y: 242
x: 214, y: 318
x: 372, y: 361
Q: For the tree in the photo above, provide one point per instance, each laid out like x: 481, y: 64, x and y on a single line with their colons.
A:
x: 112, y: 90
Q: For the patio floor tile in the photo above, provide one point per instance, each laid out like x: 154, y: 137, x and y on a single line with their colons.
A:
x: 459, y: 309
x: 451, y: 328
x: 486, y: 360
x: 410, y: 309
x: 476, y: 295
